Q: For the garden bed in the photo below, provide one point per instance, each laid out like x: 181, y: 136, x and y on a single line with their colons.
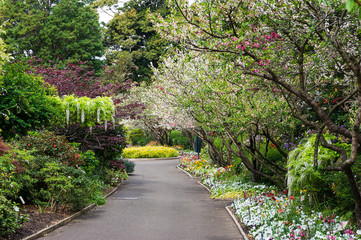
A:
x: 41, y: 220
x: 266, y: 213
x: 38, y: 221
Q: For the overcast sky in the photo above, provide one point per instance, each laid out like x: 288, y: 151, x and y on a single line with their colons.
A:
x: 106, y: 16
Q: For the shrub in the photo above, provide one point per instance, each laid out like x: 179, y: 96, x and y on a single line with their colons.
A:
x: 130, y: 165
x: 328, y: 188
x: 68, y: 186
x: 10, y: 219
x: 52, y: 178
x: 26, y: 100
x: 89, y: 162
x: 46, y: 143
x: 3, y: 147
x: 138, y: 137
x: 177, y: 139
x: 149, y: 152
x: 118, y: 164
x: 114, y: 177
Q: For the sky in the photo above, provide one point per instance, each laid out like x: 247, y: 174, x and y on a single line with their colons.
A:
x: 106, y: 16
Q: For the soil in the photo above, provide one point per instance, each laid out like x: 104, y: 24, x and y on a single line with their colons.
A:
x: 37, y: 221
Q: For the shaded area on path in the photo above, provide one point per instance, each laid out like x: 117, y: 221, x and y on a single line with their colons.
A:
x: 158, y: 202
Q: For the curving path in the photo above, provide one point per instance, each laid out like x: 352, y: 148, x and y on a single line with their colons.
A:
x: 158, y: 202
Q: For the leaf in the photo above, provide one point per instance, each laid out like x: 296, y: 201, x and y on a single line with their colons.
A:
x: 350, y: 4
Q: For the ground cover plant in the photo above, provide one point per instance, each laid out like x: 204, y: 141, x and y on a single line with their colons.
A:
x: 150, y: 152
x: 268, y: 212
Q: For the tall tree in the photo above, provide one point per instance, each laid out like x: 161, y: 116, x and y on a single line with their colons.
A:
x: 66, y: 30
x: 132, y: 32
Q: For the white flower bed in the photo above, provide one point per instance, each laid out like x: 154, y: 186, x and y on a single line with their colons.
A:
x: 274, y: 216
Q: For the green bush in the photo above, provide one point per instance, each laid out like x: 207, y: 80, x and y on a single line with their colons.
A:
x: 10, y: 218
x: 89, y: 162
x: 48, y: 174
x: 113, y: 177
x: 324, y: 188
x: 68, y: 186
x: 150, y: 152
x: 138, y: 137
x: 26, y: 100
x: 47, y: 143
x: 177, y: 139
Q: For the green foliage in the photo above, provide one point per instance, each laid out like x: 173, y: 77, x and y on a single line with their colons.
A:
x: 113, y: 177
x: 49, y: 144
x: 88, y: 111
x: 138, y: 137
x: 10, y: 219
x: 131, y: 31
x: 89, y: 162
x: 69, y: 186
x: 4, y: 57
x: 176, y: 138
x: 325, y: 188
x: 71, y: 32
x: 150, y: 152
x: 46, y: 172
x: 302, y: 173
x: 66, y: 30
x: 27, y: 101
x: 11, y: 164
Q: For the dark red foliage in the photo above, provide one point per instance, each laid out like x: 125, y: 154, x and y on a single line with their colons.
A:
x: 107, y: 144
x: 3, y: 147
x: 118, y: 164
x: 76, y: 78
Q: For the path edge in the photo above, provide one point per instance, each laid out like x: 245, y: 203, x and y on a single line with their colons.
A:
x: 235, y: 220
x: 67, y: 220
x: 228, y: 208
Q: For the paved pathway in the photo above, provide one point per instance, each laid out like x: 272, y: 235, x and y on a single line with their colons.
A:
x: 158, y: 202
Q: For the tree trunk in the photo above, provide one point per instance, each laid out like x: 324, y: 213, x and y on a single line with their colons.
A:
x: 355, y: 193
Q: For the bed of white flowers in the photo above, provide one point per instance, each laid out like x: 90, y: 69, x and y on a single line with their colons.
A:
x: 267, y: 213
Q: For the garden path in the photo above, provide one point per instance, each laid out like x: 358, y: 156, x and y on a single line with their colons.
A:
x: 157, y: 202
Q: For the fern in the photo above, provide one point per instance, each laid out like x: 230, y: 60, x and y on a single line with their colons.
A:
x: 301, y: 171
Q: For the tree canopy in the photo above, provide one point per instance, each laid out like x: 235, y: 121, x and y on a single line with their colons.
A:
x: 131, y: 39
x: 66, y: 30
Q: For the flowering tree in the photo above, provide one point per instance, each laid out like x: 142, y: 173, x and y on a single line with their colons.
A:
x: 190, y: 91
x: 300, y: 47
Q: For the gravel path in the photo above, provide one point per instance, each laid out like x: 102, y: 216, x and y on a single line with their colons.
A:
x: 157, y: 202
